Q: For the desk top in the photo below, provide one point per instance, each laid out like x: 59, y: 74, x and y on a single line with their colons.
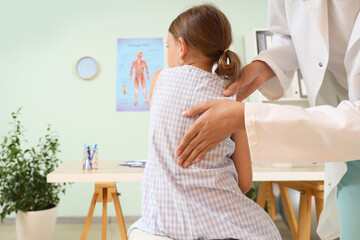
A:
x: 298, y: 172
x: 111, y: 171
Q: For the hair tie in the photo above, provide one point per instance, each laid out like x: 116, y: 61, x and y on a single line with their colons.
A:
x: 226, y: 50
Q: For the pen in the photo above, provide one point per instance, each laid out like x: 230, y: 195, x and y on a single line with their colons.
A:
x: 89, y: 155
x: 137, y: 166
x: 85, y: 155
x: 92, y: 156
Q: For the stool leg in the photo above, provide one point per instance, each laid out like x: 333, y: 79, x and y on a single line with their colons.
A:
x: 120, y: 217
x: 304, y: 215
x: 89, y: 216
x: 104, y: 217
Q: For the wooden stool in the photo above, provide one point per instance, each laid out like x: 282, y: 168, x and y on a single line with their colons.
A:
x: 105, y: 192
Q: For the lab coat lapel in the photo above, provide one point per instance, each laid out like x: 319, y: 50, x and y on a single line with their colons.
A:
x: 318, y: 10
x: 311, y: 37
x: 355, y: 35
x: 352, y: 62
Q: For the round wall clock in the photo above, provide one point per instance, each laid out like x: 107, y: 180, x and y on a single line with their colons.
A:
x: 86, y: 68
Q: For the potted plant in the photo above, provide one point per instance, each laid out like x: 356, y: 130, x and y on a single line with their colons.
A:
x: 23, y: 186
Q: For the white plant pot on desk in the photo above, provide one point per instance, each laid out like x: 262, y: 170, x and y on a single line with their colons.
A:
x: 36, y: 225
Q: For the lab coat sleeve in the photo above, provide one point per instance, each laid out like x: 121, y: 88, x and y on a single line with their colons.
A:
x: 280, y: 133
x: 280, y: 56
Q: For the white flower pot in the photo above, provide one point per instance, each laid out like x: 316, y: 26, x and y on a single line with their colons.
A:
x: 36, y: 225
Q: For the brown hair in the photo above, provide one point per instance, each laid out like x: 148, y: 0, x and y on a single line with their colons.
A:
x: 207, y: 29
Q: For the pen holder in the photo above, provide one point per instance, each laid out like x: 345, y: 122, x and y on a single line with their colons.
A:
x: 90, y: 159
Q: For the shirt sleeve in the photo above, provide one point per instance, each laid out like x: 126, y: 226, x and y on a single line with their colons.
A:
x: 280, y: 133
x: 281, y: 55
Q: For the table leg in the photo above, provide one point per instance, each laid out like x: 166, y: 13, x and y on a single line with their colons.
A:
x: 319, y: 205
x: 261, y: 196
x: 289, y: 211
x: 301, y: 230
x: 89, y: 216
x: 304, y: 215
x: 266, y: 194
x: 104, y: 217
x: 271, y: 201
x: 101, y: 195
x: 120, y: 217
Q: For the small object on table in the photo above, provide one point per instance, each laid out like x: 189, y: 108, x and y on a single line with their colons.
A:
x: 137, y: 163
x: 282, y: 165
x: 90, y: 157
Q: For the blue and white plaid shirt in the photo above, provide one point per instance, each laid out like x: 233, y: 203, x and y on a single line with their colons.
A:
x: 204, y: 200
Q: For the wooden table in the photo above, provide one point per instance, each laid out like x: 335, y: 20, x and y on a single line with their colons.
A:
x: 105, y: 179
x: 308, y: 179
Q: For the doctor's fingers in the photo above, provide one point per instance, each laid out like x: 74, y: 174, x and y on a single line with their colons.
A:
x: 195, y: 129
x: 190, y: 141
x: 201, y: 137
x: 247, y: 76
x: 233, y: 88
x: 194, y: 142
x: 246, y: 91
x: 199, y: 152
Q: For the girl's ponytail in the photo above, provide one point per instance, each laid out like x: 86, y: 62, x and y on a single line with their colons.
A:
x: 228, y: 66
x: 207, y: 29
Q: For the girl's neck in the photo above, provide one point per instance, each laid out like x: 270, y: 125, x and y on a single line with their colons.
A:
x: 200, y: 64
x: 198, y: 60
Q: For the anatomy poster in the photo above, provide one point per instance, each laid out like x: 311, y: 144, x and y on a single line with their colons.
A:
x: 137, y: 61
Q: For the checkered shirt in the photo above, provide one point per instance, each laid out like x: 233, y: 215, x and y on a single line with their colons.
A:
x: 204, y: 200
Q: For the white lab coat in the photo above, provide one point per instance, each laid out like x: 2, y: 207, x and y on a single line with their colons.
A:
x: 320, y: 133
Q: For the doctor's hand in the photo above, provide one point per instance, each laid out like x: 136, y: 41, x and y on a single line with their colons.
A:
x: 252, y: 76
x: 219, y: 120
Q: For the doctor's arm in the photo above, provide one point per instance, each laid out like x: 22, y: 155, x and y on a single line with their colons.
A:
x: 277, y: 133
x: 278, y: 60
x: 294, y: 134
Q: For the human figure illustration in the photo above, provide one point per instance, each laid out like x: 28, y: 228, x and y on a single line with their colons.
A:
x: 139, y: 64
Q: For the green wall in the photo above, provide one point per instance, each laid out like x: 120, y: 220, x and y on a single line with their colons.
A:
x: 40, y: 43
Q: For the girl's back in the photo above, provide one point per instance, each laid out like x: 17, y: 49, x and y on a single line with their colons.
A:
x: 204, y: 200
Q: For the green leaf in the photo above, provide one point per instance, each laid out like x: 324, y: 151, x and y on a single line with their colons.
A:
x: 23, y: 171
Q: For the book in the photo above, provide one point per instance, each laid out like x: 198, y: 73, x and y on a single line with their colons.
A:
x: 136, y: 163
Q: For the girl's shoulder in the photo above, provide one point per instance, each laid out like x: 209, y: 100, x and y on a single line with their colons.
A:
x: 189, y: 69
x: 171, y: 72
x: 188, y: 73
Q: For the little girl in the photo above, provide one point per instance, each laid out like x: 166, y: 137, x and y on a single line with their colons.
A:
x: 205, y: 200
